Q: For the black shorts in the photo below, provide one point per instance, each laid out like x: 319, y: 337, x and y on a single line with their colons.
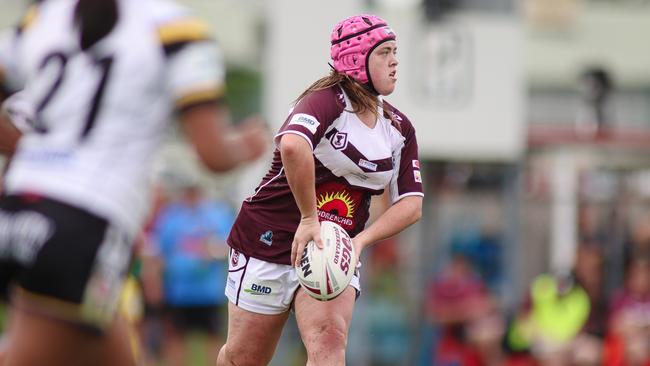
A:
x: 65, y: 261
x: 205, y: 319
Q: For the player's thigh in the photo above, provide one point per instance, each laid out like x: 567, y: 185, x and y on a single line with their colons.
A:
x: 38, y: 340
x: 252, y: 334
x: 314, y: 316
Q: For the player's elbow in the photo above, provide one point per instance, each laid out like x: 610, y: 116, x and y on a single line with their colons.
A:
x: 414, y: 208
x: 417, y: 213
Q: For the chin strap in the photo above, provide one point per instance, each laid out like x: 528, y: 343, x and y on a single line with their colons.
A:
x: 371, y: 88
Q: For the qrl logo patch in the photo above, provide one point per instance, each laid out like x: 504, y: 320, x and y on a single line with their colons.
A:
x: 339, y: 140
x: 234, y: 258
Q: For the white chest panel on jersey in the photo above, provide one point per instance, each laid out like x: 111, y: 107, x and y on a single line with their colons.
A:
x: 362, y: 155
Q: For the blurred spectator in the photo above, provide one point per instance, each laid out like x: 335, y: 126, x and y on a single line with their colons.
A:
x: 481, y: 245
x: 191, y: 234
x: 563, y: 321
x: 589, y: 274
x: 551, y: 321
x: 595, y: 85
x: 470, y: 325
x: 150, y: 276
x: 628, y: 341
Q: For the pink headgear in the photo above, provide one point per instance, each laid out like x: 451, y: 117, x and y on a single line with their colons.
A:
x: 353, y: 40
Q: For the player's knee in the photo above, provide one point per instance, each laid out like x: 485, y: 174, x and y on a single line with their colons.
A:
x: 229, y: 356
x: 326, y: 339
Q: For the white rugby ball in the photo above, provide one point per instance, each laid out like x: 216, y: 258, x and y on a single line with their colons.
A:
x: 325, y: 273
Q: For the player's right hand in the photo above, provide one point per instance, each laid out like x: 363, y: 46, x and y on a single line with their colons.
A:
x: 254, y: 137
x: 308, y: 230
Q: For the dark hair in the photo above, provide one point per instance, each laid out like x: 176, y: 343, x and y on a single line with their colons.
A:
x: 95, y: 19
x: 361, y: 98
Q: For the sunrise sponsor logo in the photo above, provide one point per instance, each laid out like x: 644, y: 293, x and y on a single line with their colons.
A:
x: 337, y: 207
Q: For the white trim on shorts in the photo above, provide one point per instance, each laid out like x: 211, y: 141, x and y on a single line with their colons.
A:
x: 264, y: 287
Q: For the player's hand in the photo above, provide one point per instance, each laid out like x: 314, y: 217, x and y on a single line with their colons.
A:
x: 253, y: 137
x: 358, y: 247
x: 308, y: 230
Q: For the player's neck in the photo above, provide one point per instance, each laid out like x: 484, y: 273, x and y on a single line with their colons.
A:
x: 368, y: 118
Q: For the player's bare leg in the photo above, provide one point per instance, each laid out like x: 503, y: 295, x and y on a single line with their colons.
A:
x: 252, y: 338
x: 39, y: 340
x: 324, y: 326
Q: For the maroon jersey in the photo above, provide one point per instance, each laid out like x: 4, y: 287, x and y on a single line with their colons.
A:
x: 352, y: 161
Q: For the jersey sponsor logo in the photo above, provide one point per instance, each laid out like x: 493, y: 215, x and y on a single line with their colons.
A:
x: 339, y: 140
x: 23, y: 234
x: 339, y: 203
x: 343, y: 221
x: 257, y: 289
x: 46, y: 155
x: 416, y: 164
x: 232, y: 283
x: 305, y: 120
x: 368, y: 165
x: 337, y: 207
x: 267, y: 237
x: 417, y: 176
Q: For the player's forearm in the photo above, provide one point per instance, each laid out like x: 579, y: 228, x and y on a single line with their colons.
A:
x: 9, y: 136
x: 298, y: 163
x: 399, y: 216
x: 220, y: 146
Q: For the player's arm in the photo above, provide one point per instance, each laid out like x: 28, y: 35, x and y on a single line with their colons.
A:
x: 396, y: 218
x: 220, y: 146
x: 405, y: 191
x: 298, y: 163
x: 9, y: 135
x: 196, y: 84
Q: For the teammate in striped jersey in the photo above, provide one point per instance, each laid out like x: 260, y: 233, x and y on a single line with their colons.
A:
x: 341, y: 144
x: 100, y: 81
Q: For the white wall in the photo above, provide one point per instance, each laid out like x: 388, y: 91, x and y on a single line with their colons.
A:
x: 615, y: 36
x: 297, y: 48
x: 236, y: 24
x: 462, y: 85
x: 10, y: 12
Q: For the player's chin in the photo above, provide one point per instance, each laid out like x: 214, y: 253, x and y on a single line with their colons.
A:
x: 387, y: 88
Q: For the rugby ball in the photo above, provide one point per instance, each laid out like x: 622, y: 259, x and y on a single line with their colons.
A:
x: 325, y: 273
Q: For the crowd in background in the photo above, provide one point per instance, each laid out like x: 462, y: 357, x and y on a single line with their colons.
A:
x: 176, y: 303
x: 563, y: 318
